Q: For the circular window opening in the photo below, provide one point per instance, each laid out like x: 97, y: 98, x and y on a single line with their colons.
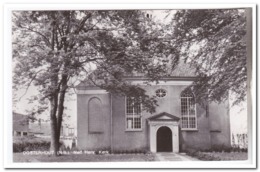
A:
x: 160, y: 93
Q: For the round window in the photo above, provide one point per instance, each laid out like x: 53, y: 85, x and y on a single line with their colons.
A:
x: 160, y: 93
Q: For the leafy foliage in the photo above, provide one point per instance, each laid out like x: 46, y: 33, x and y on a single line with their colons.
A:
x: 61, y: 45
x: 52, y: 50
x: 213, y: 41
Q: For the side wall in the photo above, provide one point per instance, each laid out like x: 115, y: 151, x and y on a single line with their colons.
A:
x: 91, y: 140
x: 220, y: 124
x: 200, y: 138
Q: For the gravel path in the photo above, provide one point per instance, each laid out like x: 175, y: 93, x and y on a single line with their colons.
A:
x: 173, y: 157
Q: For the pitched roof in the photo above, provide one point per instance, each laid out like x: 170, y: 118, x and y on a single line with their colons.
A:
x: 183, y: 71
x: 161, y: 117
x: 88, y: 84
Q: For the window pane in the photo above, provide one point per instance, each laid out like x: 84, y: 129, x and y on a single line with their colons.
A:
x: 184, y: 107
x: 129, y: 106
x: 137, y: 108
x: 188, y: 112
x: 184, y: 122
x: 129, y: 123
x: 137, y: 122
x: 133, y: 113
x: 192, y: 122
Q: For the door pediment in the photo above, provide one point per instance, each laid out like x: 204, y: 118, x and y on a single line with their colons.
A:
x: 164, y: 116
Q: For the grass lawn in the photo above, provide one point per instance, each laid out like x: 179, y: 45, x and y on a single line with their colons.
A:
x: 20, y: 157
x: 205, y: 156
x: 221, y: 156
x: 31, y: 139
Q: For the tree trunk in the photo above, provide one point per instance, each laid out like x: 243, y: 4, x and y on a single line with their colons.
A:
x: 54, y: 139
x: 61, y: 106
x: 54, y: 98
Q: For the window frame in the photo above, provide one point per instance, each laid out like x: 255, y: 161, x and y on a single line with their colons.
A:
x: 187, y: 101
x: 133, y: 116
x: 159, y: 90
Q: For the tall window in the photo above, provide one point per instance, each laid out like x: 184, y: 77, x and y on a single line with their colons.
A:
x: 133, y: 114
x: 188, y: 110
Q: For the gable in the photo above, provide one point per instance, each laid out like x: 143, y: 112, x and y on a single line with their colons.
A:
x: 164, y: 116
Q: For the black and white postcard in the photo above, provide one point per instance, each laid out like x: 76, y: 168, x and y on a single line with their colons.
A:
x: 129, y: 86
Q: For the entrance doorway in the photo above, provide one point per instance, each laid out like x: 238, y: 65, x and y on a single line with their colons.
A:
x: 164, y: 139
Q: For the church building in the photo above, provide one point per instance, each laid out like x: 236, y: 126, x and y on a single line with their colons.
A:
x: 109, y: 121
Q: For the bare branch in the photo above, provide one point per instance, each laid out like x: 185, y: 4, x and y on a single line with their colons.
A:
x: 92, y: 26
x: 91, y: 60
x: 82, y: 23
x: 29, y: 84
x: 44, y: 37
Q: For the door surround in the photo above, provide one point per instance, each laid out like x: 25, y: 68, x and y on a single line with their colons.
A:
x: 161, y: 120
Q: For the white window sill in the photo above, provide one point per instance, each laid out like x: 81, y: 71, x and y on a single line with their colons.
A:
x: 133, y: 130
x: 189, y: 129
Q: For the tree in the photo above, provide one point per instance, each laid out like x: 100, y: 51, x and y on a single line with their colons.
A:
x: 53, y: 49
x: 213, y: 41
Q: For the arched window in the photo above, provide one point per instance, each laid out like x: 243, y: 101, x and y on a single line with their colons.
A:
x: 188, y: 110
x: 133, y: 114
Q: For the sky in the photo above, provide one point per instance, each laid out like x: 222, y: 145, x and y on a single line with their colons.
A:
x: 238, y: 114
